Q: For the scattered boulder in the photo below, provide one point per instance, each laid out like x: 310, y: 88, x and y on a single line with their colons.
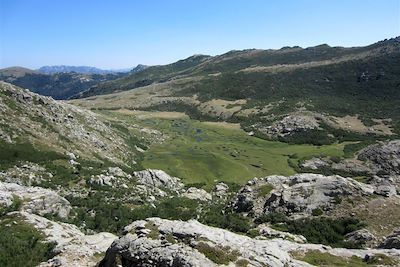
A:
x: 113, y: 176
x: 27, y: 174
x: 314, y: 164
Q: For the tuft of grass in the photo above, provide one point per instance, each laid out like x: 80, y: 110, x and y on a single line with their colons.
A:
x: 217, y: 254
x: 264, y: 190
x: 154, y: 232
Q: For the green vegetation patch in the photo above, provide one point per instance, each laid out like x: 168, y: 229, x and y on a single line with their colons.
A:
x: 264, y: 190
x: 198, y: 152
x: 21, y: 244
x: 217, y: 254
x: 324, y: 259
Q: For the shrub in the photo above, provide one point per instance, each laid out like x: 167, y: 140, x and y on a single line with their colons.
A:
x: 272, y: 217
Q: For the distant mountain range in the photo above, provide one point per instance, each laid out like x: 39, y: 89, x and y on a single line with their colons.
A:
x: 61, y: 82
x: 85, y: 69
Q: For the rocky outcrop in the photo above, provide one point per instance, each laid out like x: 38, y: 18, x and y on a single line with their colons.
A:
x: 73, y: 248
x: 34, y: 199
x: 160, y: 242
x: 290, y: 124
x: 383, y: 158
x: 159, y: 179
x: 113, y: 176
x: 298, y: 194
x: 392, y: 241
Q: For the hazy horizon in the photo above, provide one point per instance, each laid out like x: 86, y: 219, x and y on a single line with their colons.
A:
x: 123, y: 34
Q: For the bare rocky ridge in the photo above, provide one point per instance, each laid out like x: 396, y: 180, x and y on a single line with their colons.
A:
x: 159, y: 242
x: 46, y: 122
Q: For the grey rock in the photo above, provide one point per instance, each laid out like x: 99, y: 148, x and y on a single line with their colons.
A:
x: 73, y: 248
x: 159, y: 179
x: 298, y: 194
x: 197, y: 193
x: 361, y: 237
x: 179, y: 243
x: 35, y: 199
x: 220, y: 190
x: 290, y: 124
x: 383, y: 158
x: 391, y: 241
x: 314, y: 164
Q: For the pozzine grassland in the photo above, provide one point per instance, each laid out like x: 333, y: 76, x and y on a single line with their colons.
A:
x: 200, y: 152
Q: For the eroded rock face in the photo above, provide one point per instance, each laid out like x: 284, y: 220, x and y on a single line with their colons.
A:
x: 35, y: 199
x: 73, y: 248
x: 158, y: 178
x: 58, y: 124
x: 297, y: 194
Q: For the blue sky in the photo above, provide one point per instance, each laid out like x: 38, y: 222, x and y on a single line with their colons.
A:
x: 119, y: 34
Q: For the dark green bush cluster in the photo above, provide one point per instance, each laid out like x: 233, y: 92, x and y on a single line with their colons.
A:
x: 325, y: 231
x: 100, y: 214
x: 320, y: 230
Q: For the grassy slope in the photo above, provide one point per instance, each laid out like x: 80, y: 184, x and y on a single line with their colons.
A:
x: 198, y: 152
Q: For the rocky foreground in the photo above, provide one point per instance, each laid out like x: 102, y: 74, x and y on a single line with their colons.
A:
x: 161, y: 242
